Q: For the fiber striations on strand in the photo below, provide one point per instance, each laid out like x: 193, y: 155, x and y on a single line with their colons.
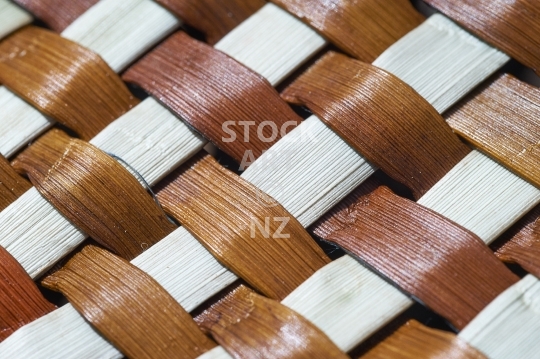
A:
x: 128, y: 307
x: 229, y: 104
x: 95, y: 192
x: 363, y: 29
x: 244, y: 228
x: 249, y: 325
x: 63, y: 80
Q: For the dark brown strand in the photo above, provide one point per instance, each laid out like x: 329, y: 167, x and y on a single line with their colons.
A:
x: 363, y: 28
x: 63, y: 80
x: 215, y: 18
x: 512, y: 26
x: 11, y: 184
x: 21, y: 302
x: 521, y: 243
x: 325, y: 225
x: 502, y: 120
x: 128, y: 307
x: 249, y: 325
x: 207, y: 88
x: 95, y: 192
x: 263, y: 244
x: 415, y: 341
x: 382, y: 118
x: 57, y: 14
x: 446, y: 267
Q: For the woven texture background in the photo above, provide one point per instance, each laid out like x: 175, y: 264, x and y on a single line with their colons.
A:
x: 283, y: 179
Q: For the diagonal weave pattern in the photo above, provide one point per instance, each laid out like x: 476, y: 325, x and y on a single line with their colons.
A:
x: 300, y: 175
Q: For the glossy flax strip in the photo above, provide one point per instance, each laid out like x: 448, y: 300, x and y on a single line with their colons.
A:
x: 95, y: 193
x: 121, y: 31
x: 381, y: 117
x: 230, y: 105
x: 152, y: 149
x: 345, y: 335
x: 128, y: 307
x: 243, y: 228
x: 521, y: 243
x: 63, y: 80
x: 501, y: 119
x: 249, y: 325
x: 444, y: 266
x: 416, y: 341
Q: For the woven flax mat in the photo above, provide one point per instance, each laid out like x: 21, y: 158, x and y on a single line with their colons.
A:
x: 285, y: 179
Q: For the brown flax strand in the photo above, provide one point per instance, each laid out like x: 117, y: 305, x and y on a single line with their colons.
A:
x: 325, y: 225
x: 512, y: 26
x: 415, y: 341
x: 229, y: 104
x: 11, y: 184
x: 215, y: 18
x: 446, y: 267
x: 502, y: 119
x: 63, y: 80
x: 58, y: 14
x: 249, y: 325
x: 21, y: 302
x: 521, y: 243
x: 362, y: 28
x: 241, y: 226
x: 95, y: 193
x: 383, y: 118
x: 128, y: 307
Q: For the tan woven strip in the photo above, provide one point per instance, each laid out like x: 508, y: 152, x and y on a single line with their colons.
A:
x: 128, y: 307
x: 58, y: 14
x: 95, y: 193
x: 512, y: 26
x: 415, y: 341
x: 502, y: 120
x: 446, y: 267
x: 232, y: 106
x: 11, y: 184
x: 20, y: 300
x: 242, y: 227
x: 215, y: 18
x: 63, y: 80
x: 363, y: 28
x: 383, y: 118
x: 521, y: 244
x: 249, y: 325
